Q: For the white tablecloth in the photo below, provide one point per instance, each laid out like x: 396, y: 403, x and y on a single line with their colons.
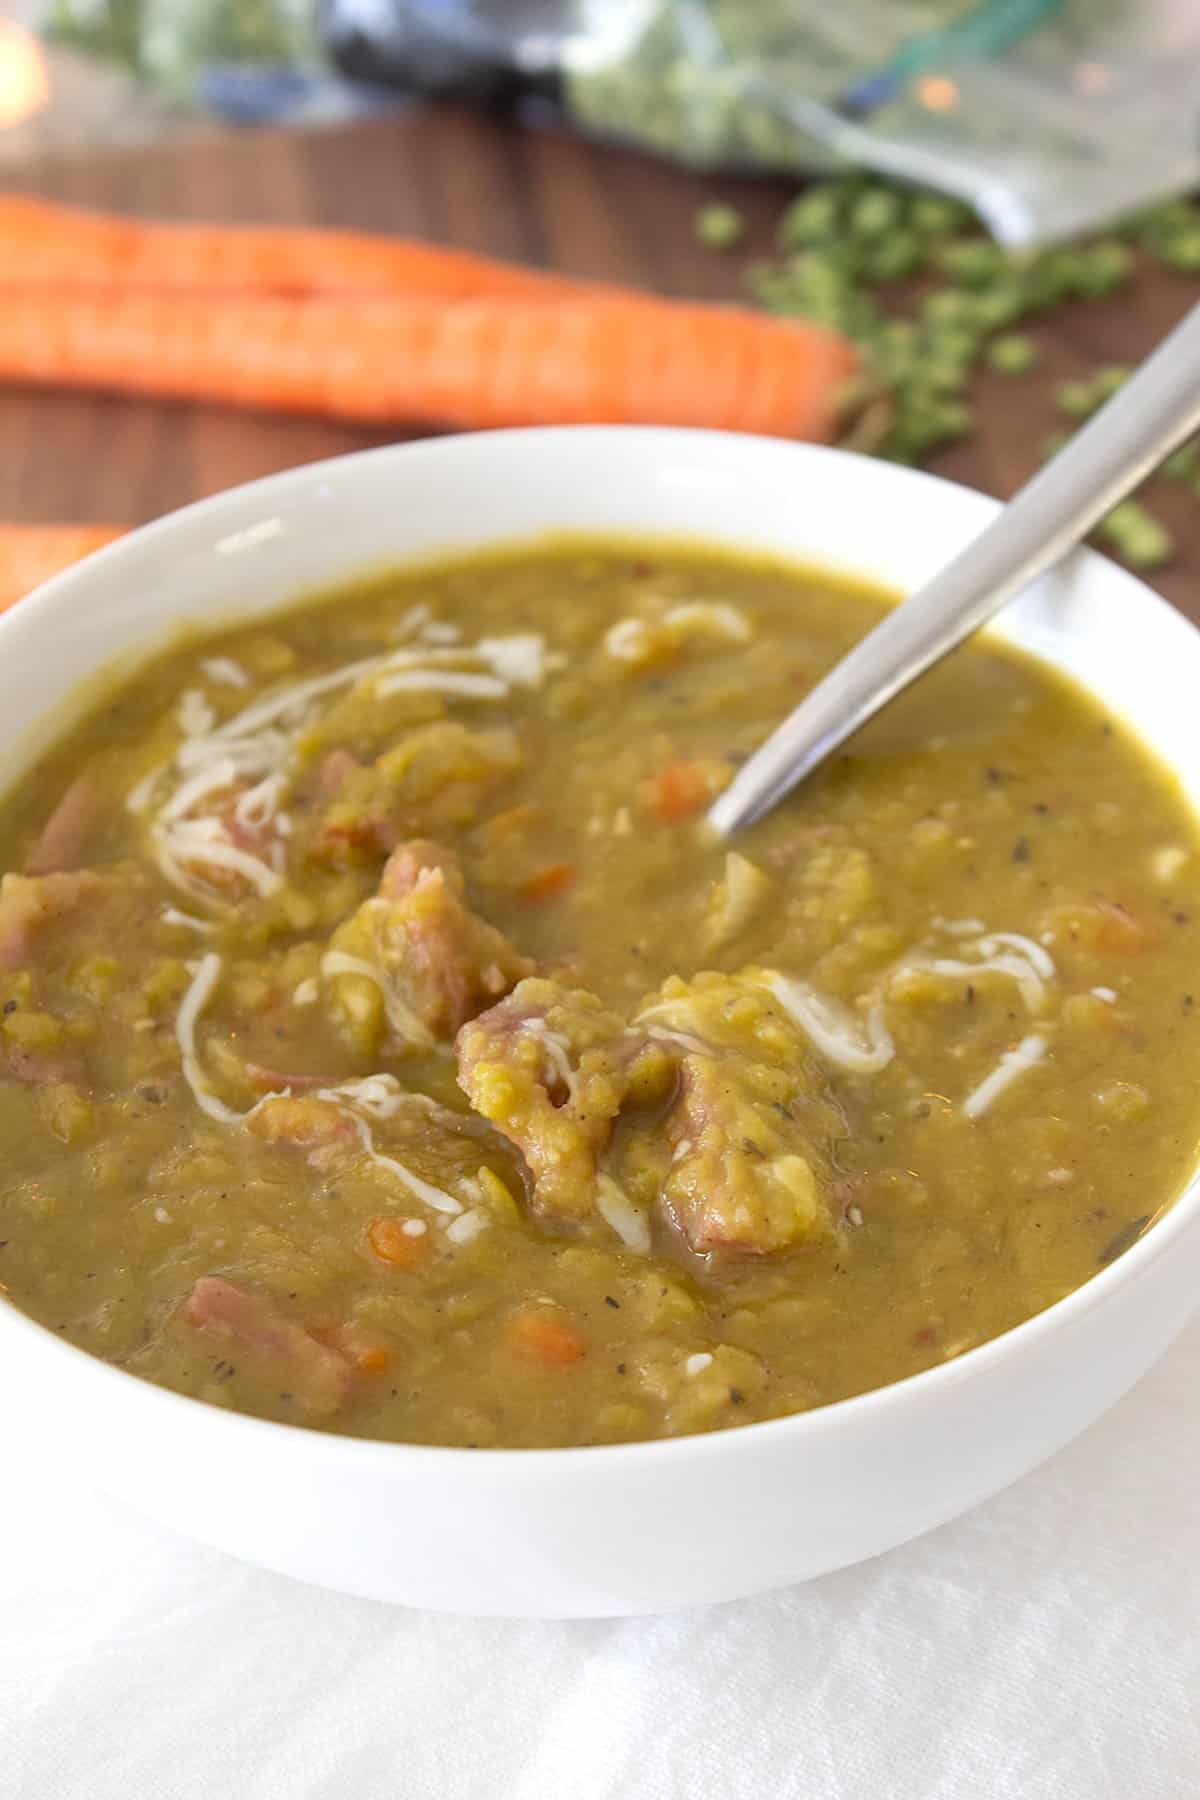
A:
x: 1044, y: 1648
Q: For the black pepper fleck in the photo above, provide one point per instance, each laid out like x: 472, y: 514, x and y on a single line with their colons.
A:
x: 609, y: 1301
x: 10, y: 1006
x: 1020, y: 850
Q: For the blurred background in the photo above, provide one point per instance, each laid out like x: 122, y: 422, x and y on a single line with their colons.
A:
x: 991, y: 199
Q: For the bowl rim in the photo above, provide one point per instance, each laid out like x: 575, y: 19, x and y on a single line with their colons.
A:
x: 794, y: 1429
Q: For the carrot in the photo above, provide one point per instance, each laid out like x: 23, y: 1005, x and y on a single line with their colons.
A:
x: 31, y: 554
x: 545, y: 1335
x: 479, y: 363
x: 1101, y: 925
x: 549, y: 882
x: 361, y: 1348
x: 64, y: 246
x: 392, y: 1244
x: 680, y: 790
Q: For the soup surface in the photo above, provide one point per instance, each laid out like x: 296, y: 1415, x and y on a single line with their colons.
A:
x: 385, y: 1046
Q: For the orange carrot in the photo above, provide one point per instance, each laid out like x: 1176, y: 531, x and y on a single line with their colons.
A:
x: 1101, y: 925
x: 544, y: 1334
x: 30, y: 554
x: 63, y: 246
x: 362, y: 1348
x: 548, y: 882
x: 680, y: 790
x: 478, y: 363
x: 392, y: 1244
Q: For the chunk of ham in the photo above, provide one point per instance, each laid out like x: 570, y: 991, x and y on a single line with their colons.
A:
x: 314, y: 1374
x: 336, y: 768
x: 737, y: 1180
x: 59, y: 845
x: 29, y: 903
x: 438, y: 962
x: 408, y: 862
x: 751, y: 1130
x: 434, y: 780
x: 551, y: 1068
x: 38, y: 1068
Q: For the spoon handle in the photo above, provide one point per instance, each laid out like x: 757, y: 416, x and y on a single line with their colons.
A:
x: 1148, y: 417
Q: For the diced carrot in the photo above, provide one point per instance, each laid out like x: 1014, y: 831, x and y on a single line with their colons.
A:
x: 395, y: 1246
x: 545, y: 1334
x: 362, y: 1349
x: 680, y: 790
x: 1121, y: 930
x: 1103, y: 925
x: 549, y: 882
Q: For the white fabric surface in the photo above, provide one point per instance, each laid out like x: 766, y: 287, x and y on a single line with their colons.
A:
x: 1043, y: 1648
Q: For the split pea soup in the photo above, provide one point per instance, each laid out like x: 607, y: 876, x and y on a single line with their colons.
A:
x: 387, y: 1048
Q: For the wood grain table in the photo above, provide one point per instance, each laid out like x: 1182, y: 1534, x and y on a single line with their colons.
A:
x: 486, y: 184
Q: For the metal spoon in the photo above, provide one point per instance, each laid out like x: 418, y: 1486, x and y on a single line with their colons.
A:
x: 1151, y: 415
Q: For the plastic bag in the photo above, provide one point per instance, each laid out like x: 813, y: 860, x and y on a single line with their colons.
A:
x: 1051, y: 117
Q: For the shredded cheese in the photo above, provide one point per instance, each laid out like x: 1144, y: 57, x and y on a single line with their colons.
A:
x: 556, y: 1050
x: 1029, y: 983
x: 442, y: 681
x: 628, y: 640
x: 204, y: 980
x: 1024, y: 946
x: 403, y: 1023
x: 256, y: 744
x: 468, y: 1226
x: 306, y: 992
x: 259, y: 805
x: 1027, y: 1054
x: 1006, y: 953
x: 712, y: 618
x: 140, y: 795
x: 225, y: 671
x: 171, y: 915
x: 861, y: 1045
x: 434, y: 1197
x: 211, y: 780
x: 519, y: 658
x: 380, y: 1095
x: 617, y: 1209
x: 697, y: 1362
x: 193, y: 841
x: 196, y: 716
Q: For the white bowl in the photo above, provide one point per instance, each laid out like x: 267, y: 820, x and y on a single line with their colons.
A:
x: 638, y: 1527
